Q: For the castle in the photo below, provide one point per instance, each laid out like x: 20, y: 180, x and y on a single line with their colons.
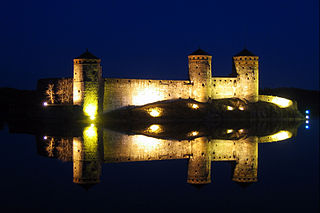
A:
x: 96, y: 146
x: 96, y: 94
x: 88, y: 85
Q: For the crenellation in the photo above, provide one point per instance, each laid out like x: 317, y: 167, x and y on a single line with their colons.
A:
x: 96, y: 146
x: 98, y: 94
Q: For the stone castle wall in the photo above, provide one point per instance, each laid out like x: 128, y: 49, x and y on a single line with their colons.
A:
x: 223, y: 87
x: 247, y: 69
x: 125, y: 92
x: 200, y: 76
x: 199, y: 152
x: 96, y: 94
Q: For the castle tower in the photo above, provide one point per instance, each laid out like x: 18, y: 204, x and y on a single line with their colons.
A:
x: 88, y: 84
x: 246, y: 168
x: 199, y: 166
x: 87, y: 157
x: 246, y: 68
x: 200, y: 74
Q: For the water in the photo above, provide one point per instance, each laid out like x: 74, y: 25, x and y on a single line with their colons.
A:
x: 134, y: 179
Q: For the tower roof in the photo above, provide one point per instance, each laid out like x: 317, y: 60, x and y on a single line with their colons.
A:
x: 245, y: 52
x: 199, y: 52
x: 87, y: 55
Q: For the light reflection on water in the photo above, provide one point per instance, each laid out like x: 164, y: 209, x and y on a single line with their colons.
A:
x: 98, y: 145
x: 278, y: 172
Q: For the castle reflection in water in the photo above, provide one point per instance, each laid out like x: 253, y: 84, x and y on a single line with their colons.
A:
x: 95, y: 145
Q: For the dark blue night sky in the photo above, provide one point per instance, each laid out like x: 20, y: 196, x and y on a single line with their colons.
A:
x: 151, y: 39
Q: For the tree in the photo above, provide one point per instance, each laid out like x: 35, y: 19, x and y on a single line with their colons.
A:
x: 64, y: 149
x: 50, y: 147
x: 64, y: 91
x: 50, y: 93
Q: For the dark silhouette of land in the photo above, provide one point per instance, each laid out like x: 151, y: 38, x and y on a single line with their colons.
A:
x: 306, y: 99
x: 25, y: 104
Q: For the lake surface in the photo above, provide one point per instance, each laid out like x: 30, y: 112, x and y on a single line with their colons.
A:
x: 147, y: 170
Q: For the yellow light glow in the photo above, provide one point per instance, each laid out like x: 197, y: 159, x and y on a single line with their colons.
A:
x: 146, y: 144
x: 195, y: 106
x: 230, y: 108
x: 279, y: 136
x: 241, y: 130
x: 229, y: 131
x: 282, y: 135
x: 90, y: 110
x: 241, y: 108
x: 90, y: 132
x: 281, y: 102
x: 76, y: 94
x: 193, y: 133
x: 155, y: 112
x: 147, y: 95
x: 90, y: 139
x: 155, y: 128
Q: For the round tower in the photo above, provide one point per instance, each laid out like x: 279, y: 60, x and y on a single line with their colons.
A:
x: 87, y: 83
x: 199, y: 165
x: 200, y: 74
x: 246, y: 167
x: 246, y: 68
x: 87, y: 157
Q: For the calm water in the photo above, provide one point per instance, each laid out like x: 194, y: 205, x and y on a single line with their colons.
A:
x: 140, y: 173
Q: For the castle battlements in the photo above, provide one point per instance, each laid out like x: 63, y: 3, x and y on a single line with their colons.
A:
x: 96, y: 94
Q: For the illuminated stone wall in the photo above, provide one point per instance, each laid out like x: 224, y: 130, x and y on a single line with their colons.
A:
x: 125, y: 92
x: 247, y: 69
x: 95, y: 93
x: 200, y: 76
x: 87, y: 86
x: 246, y: 168
x: 199, y: 152
x: 95, y: 147
x: 280, y: 102
x: 199, y: 165
x: 223, y: 87
x: 87, y: 157
x: 124, y: 148
x: 201, y: 86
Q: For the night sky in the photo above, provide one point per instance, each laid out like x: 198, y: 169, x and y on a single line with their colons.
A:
x: 151, y: 39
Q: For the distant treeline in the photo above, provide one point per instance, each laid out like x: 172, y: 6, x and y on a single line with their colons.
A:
x: 306, y: 99
x: 16, y: 102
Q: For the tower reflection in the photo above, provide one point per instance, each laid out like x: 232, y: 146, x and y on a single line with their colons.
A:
x: 96, y: 145
x: 87, y: 157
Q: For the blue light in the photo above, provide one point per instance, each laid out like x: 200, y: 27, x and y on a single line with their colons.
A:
x: 307, y: 116
x: 307, y: 127
x: 307, y: 111
x: 307, y: 121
